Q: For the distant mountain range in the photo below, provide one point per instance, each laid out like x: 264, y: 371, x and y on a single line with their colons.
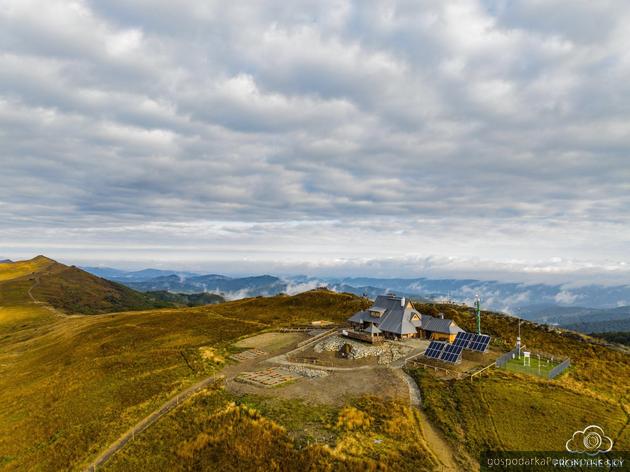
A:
x: 590, y: 308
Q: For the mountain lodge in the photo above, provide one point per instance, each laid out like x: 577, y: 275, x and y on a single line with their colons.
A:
x: 393, y: 317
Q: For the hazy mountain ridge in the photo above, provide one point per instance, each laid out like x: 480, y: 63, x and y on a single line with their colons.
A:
x: 545, y: 303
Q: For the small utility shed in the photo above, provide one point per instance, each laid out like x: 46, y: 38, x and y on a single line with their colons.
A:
x: 439, y: 329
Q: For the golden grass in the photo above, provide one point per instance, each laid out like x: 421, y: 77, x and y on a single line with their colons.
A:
x: 287, y: 311
x: 513, y: 412
x: 14, y: 270
x: 71, y: 385
x: 216, y: 431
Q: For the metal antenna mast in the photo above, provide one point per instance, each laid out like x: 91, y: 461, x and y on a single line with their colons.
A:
x: 478, y: 309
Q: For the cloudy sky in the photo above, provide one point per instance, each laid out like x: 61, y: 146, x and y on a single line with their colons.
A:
x: 470, y: 137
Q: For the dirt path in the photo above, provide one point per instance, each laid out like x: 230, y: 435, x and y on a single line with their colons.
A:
x: 436, y: 443
x: 149, y: 420
x: 627, y: 424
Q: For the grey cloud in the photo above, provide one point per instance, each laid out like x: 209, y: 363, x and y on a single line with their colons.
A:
x: 450, y: 128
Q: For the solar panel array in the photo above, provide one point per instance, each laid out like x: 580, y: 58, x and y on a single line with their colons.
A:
x: 472, y: 341
x: 434, y: 351
x: 452, y: 353
x: 443, y: 351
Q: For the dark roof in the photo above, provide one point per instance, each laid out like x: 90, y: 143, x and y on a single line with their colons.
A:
x: 395, y: 318
x: 440, y: 325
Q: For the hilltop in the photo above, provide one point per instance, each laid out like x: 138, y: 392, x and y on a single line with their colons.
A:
x: 68, y: 288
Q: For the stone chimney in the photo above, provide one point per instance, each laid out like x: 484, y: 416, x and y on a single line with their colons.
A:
x: 441, y: 315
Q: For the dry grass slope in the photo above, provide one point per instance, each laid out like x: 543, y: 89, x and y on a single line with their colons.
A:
x: 71, y: 385
x: 215, y: 431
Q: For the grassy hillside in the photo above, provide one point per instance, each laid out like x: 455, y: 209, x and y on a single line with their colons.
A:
x: 68, y: 289
x: 595, y: 367
x: 285, y: 310
x: 14, y: 270
x: 73, y: 384
x: 186, y: 299
x: 506, y: 411
x: 215, y: 431
x: 512, y: 412
x: 73, y: 290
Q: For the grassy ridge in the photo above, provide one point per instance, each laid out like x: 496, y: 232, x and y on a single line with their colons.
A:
x: 14, y: 270
x: 68, y: 289
x: 72, y: 385
x: 285, y: 310
x: 73, y: 290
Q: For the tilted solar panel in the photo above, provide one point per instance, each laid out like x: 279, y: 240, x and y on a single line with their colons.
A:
x: 463, y: 339
x: 479, y: 343
x: 435, y: 349
x: 452, y: 353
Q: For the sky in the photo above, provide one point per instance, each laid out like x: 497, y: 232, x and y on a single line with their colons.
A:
x: 485, y: 139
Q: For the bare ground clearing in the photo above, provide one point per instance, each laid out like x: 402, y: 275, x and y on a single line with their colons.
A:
x: 333, y: 389
x: 272, y: 342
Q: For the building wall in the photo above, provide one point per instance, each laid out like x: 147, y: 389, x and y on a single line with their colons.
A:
x: 442, y: 337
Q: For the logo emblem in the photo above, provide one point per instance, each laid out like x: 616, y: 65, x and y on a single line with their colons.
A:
x: 591, y: 441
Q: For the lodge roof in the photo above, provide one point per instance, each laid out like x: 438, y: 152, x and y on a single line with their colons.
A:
x: 396, y: 315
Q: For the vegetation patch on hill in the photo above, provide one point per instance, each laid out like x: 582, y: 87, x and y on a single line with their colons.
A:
x: 217, y: 431
x: 185, y: 299
x: 283, y: 310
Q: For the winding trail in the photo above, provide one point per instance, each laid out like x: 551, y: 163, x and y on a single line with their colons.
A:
x: 440, y: 448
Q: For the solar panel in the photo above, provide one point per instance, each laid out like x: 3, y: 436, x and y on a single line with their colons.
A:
x: 479, y: 343
x: 435, y: 349
x: 463, y: 339
x: 452, y: 353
